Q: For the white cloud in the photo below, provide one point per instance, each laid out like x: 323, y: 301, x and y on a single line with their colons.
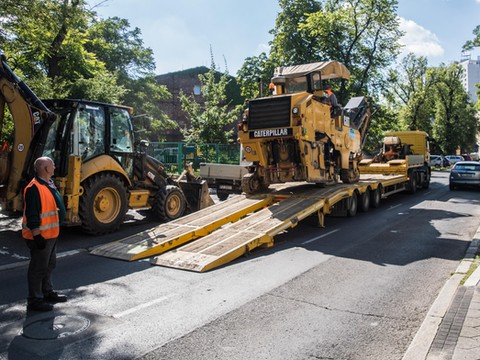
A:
x: 420, y: 41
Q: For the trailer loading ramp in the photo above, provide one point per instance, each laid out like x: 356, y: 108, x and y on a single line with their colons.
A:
x: 215, y: 245
x: 175, y: 233
x: 257, y: 229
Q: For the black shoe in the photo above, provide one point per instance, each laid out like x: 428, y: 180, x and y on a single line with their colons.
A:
x: 39, y: 305
x: 55, y: 297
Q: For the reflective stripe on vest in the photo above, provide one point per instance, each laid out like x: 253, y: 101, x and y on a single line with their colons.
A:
x: 49, y: 221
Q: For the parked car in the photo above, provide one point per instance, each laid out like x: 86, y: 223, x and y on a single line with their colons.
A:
x: 452, y: 159
x: 438, y: 161
x: 465, y: 173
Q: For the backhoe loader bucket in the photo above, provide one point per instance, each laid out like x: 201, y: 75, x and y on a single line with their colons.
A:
x: 195, y: 189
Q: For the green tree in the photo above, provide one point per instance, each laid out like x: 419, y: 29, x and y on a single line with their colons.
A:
x: 411, y: 88
x: 62, y: 50
x: 291, y: 45
x: 470, y: 44
x: 384, y: 119
x: 455, y: 123
x: 361, y: 34
x: 254, y: 75
x: 120, y: 48
x: 210, y: 119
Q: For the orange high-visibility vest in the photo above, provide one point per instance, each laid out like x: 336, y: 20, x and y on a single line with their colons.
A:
x: 49, y: 220
x: 329, y: 92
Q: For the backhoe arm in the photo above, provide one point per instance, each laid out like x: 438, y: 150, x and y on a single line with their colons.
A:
x: 30, y: 116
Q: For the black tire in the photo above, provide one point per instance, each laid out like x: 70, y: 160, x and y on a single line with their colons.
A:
x: 349, y: 176
x: 451, y: 186
x: 352, y: 205
x: 103, y: 204
x: 170, y: 203
x: 412, y: 184
x: 375, y: 197
x: 252, y: 184
x: 426, y: 183
x: 365, y: 201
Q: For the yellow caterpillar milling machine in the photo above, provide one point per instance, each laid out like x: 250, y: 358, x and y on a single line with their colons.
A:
x: 295, y: 136
x: 98, y: 171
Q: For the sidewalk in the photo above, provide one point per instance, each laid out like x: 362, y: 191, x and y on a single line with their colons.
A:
x: 451, y: 329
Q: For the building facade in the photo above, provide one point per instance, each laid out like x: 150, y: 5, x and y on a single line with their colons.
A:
x: 471, y: 77
x: 188, y: 82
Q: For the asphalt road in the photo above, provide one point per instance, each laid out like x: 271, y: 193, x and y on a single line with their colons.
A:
x: 357, y: 289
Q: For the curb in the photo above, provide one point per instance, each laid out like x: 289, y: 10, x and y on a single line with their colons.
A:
x: 421, y: 343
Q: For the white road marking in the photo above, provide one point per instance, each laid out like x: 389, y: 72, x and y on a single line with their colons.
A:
x: 394, y: 206
x: 319, y: 237
x: 25, y: 263
x: 142, y: 306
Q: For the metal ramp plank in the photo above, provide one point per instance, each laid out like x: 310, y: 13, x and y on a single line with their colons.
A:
x: 175, y: 233
x: 257, y: 229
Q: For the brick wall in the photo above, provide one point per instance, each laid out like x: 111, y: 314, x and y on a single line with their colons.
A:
x: 186, y: 80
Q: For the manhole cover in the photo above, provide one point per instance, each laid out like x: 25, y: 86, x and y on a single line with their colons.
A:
x: 56, y: 327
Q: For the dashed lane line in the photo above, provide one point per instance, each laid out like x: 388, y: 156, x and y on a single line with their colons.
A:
x: 25, y: 263
x: 319, y: 237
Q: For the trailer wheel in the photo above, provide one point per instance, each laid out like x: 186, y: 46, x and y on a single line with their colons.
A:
x: 426, y: 183
x: 412, y: 184
x: 103, y: 204
x: 170, y: 203
x: 365, y: 201
x: 352, y: 205
x: 375, y: 197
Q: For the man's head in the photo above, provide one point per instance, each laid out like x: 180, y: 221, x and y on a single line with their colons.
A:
x: 44, y: 167
x: 327, y: 86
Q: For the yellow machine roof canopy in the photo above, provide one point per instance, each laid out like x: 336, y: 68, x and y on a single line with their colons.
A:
x: 327, y: 69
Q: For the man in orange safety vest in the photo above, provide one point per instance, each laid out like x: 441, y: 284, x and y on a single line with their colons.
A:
x: 43, y: 213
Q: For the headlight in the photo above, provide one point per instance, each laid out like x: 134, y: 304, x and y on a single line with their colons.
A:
x: 295, y: 111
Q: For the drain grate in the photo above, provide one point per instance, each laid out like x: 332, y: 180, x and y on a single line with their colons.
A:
x: 55, y: 327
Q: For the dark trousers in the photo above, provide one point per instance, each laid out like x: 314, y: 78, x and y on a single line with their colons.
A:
x: 42, y: 263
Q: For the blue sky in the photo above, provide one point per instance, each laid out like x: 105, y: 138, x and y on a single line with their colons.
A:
x: 180, y: 32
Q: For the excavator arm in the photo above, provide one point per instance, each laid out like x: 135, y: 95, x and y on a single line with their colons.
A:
x: 31, y: 120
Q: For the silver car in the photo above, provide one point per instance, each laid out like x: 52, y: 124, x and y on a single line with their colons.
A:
x: 454, y: 158
x: 465, y: 173
x: 438, y: 161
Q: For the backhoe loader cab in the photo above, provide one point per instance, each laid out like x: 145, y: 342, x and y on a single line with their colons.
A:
x: 98, y: 171
x: 295, y: 135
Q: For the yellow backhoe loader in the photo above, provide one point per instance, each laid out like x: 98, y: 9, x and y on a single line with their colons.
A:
x: 98, y: 171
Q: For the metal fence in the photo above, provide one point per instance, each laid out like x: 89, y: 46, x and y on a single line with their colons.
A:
x: 174, y: 155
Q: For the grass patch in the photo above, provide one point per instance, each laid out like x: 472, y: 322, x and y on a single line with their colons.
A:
x: 475, y: 264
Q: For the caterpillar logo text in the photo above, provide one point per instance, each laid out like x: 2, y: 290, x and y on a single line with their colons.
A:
x: 271, y: 133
